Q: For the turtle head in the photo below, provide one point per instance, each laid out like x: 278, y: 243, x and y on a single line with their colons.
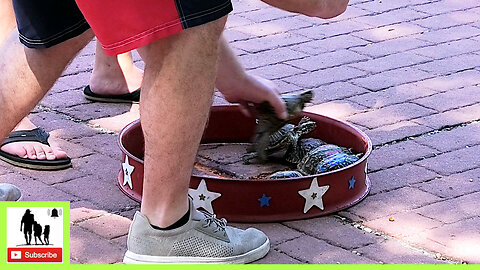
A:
x: 305, y: 125
x: 296, y: 103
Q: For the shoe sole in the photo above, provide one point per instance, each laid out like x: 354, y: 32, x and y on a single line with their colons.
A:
x: 109, y: 100
x: 36, y: 166
x: 253, y: 255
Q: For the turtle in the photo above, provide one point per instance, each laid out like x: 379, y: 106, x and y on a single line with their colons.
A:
x: 326, y: 158
x: 269, y: 123
x: 285, y: 138
x: 295, y: 154
x: 285, y: 174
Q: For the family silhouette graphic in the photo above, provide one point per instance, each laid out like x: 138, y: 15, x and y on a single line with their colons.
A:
x: 28, y: 225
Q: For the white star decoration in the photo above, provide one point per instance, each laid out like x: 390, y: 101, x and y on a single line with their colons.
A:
x: 127, y: 173
x: 313, y: 195
x: 202, y: 197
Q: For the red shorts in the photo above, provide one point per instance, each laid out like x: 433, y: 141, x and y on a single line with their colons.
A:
x: 124, y: 25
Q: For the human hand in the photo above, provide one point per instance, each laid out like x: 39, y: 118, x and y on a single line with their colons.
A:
x: 256, y: 90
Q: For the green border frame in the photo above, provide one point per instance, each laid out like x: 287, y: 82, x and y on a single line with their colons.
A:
x: 66, y: 254
x: 66, y: 234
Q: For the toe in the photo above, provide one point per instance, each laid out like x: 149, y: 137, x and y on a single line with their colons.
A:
x: 58, y: 152
x: 31, y: 154
x: 50, y: 155
x: 39, y: 152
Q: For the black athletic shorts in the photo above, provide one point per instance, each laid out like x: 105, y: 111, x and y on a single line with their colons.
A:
x: 120, y: 25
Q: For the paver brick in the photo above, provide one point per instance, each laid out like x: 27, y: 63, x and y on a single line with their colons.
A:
x: 390, y: 115
x: 331, y: 44
x: 329, y: 229
x: 336, y: 109
x: 104, y: 194
x: 392, y: 46
x: 397, y: 131
x: 105, y: 167
x: 311, y: 250
x: 89, y: 111
x: 105, y: 144
x: 393, y: 252
x: 458, y: 240
x: 60, y: 127
x: 456, y: 138
x: 336, y: 91
x: 382, y: 7
x: 440, y: 7
x: 451, y: 65
x: 266, y: 58
x: 451, y: 118
x: 454, y: 185
x: 453, y: 210
x: 331, y: 29
x: 392, y: 61
x: 403, y: 224
x: 266, y: 14
x: 453, y: 162
x: 327, y: 60
x: 391, y: 78
x: 276, y: 257
x: 255, y: 45
x: 393, y: 95
x: 448, y: 49
x: 34, y: 190
x: 400, y: 176
x: 447, y: 20
x: 108, y: 226
x: 392, y: 202
x: 452, y: 99
x: 78, y: 214
x: 274, y: 26
x: 453, y: 81
x: 85, y: 247
x: 449, y: 34
x: 277, y: 71
x: 395, y: 16
x: 389, y: 32
x: 325, y: 76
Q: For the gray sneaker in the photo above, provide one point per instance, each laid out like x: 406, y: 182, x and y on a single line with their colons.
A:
x: 9, y: 192
x: 204, y: 239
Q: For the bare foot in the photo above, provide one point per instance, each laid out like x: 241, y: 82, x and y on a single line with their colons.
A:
x: 33, y: 150
x: 115, y: 76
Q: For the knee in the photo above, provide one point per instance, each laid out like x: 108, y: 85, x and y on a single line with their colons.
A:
x: 324, y: 9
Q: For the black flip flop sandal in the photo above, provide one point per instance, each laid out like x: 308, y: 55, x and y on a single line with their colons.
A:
x: 133, y: 97
x: 34, y: 135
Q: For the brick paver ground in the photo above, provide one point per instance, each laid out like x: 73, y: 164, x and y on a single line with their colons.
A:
x: 405, y: 72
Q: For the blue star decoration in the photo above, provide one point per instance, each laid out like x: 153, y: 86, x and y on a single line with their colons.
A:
x: 264, y: 200
x: 351, y: 183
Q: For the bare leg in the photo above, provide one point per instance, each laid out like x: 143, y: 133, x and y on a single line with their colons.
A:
x: 324, y: 9
x: 27, y: 75
x: 114, y: 77
x: 7, y: 19
x: 31, y: 150
x: 178, y: 88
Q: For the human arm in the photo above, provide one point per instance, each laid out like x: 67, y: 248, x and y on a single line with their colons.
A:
x: 237, y: 86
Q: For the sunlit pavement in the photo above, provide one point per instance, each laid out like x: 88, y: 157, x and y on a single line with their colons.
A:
x: 405, y: 72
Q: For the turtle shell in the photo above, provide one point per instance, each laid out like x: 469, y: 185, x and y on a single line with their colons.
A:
x: 304, y: 146
x: 285, y: 174
x: 310, y: 162
x: 336, y: 161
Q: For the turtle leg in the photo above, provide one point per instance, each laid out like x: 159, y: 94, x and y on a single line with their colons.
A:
x: 261, y: 145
